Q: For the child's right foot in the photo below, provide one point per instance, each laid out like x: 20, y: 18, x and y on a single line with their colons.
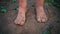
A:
x: 20, y: 20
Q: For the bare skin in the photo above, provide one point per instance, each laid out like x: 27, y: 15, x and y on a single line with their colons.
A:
x: 20, y: 17
x: 20, y: 20
x: 41, y: 16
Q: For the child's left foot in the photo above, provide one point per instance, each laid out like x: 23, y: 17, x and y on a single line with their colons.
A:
x: 41, y: 16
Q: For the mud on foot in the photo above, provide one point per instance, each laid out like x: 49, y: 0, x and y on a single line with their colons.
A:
x: 41, y: 15
x: 20, y: 19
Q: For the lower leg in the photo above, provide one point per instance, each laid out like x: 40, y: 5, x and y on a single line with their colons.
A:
x: 40, y: 3
x: 41, y: 16
x: 21, y: 13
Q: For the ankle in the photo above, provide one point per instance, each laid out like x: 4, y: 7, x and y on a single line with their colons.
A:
x: 39, y: 6
x: 22, y: 10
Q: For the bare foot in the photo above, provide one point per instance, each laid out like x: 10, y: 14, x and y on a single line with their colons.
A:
x: 20, y: 20
x: 41, y: 16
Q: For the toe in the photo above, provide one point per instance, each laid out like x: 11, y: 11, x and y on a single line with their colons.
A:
x: 15, y: 21
x: 39, y: 19
x: 22, y: 22
x: 44, y: 20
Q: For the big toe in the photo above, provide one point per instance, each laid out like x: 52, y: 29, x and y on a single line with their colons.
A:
x: 38, y: 19
x: 16, y: 22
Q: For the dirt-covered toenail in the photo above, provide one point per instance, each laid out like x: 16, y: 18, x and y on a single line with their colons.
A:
x: 39, y: 19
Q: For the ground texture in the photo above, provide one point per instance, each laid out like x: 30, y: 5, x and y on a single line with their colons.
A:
x: 31, y: 26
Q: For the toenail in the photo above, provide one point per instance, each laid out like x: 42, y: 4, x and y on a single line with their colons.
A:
x: 38, y: 19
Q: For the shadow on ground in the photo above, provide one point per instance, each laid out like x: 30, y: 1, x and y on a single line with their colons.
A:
x: 31, y: 26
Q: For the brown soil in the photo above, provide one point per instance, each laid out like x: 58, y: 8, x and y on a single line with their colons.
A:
x: 31, y: 26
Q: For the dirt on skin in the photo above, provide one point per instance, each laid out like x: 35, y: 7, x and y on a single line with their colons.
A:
x: 31, y: 25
